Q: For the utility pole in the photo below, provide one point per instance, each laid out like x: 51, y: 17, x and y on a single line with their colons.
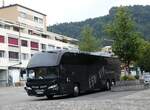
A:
x: 3, y: 3
x: 19, y: 43
x: 19, y: 63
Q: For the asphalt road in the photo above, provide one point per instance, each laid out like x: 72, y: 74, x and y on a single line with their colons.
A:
x: 16, y: 95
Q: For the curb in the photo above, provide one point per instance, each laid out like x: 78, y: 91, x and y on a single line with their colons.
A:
x: 128, y: 88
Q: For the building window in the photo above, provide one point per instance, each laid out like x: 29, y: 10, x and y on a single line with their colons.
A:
x: 23, y: 24
x: 40, y: 21
x: 24, y: 56
x: 23, y: 15
x: 34, y: 45
x: 2, y: 53
x: 16, y: 29
x: 12, y: 41
x: 13, y: 55
x: 1, y: 26
x: 35, y: 19
x: 65, y: 48
x: 43, y: 46
x: 51, y: 47
x: 58, y: 48
x: 7, y: 26
x: 38, y: 28
x: 2, y: 39
x: 24, y: 43
x: 30, y: 32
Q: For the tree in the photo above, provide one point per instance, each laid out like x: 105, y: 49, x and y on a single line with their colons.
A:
x: 144, y: 59
x: 126, y: 39
x: 88, y: 42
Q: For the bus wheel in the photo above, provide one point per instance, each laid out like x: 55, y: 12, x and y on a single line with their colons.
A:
x: 49, y: 96
x: 76, y: 90
x: 108, y: 85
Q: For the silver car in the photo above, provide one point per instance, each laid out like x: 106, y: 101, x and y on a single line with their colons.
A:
x: 147, y: 79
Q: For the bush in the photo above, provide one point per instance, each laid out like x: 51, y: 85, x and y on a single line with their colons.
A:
x: 136, y: 76
x: 129, y: 78
x: 124, y: 78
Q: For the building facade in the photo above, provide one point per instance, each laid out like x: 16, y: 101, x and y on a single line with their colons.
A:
x: 23, y: 32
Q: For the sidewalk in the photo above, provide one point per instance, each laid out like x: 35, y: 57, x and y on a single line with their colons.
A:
x: 6, y: 90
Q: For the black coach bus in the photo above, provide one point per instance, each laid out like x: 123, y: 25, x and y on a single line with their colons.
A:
x: 61, y: 72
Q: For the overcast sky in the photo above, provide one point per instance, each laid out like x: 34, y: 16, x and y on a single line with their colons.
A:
x: 59, y: 11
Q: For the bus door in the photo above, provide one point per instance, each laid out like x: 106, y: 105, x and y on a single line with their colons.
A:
x: 65, y: 78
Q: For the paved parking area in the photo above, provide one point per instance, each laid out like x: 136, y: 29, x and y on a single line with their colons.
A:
x: 17, y: 99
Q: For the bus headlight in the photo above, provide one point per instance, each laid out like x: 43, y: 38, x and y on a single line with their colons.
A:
x: 28, y: 88
x: 53, y: 87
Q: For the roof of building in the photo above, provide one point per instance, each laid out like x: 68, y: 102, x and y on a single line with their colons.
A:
x: 13, y: 5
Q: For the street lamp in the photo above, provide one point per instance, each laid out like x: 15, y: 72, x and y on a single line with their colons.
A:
x: 19, y: 43
x: 19, y: 63
x: 3, y: 3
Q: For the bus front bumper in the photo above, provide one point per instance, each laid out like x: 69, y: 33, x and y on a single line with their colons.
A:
x: 43, y: 92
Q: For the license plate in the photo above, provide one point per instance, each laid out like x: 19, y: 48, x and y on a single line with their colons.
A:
x: 39, y: 91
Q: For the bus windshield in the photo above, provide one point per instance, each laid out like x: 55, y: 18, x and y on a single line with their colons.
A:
x: 43, y: 72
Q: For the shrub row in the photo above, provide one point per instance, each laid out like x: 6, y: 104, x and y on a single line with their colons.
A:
x: 129, y: 77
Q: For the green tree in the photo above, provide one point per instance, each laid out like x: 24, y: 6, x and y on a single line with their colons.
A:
x: 144, y: 59
x: 126, y: 39
x: 88, y: 42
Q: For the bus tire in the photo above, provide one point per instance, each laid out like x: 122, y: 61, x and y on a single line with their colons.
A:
x: 108, y: 85
x: 76, y: 90
x: 49, y: 96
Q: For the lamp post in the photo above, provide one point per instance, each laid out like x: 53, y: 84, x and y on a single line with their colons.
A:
x: 19, y: 44
x: 3, y: 3
x: 19, y: 63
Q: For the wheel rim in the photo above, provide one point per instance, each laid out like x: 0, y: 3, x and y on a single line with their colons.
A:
x: 108, y: 85
x: 76, y: 91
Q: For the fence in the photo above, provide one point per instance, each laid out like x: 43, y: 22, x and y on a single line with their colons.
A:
x: 129, y: 85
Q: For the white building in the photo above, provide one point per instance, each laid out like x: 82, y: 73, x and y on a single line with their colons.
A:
x: 23, y: 32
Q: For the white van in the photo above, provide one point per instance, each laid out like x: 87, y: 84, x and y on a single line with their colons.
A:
x: 146, y: 78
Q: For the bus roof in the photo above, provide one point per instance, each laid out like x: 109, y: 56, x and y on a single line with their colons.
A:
x: 52, y: 58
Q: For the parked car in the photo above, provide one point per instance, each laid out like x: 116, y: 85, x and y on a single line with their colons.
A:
x: 146, y: 78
